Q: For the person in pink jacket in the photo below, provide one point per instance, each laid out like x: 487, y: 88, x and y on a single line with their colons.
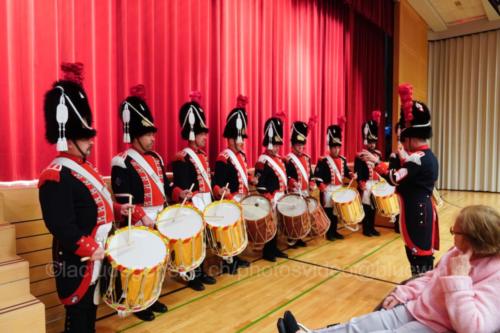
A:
x: 461, y: 294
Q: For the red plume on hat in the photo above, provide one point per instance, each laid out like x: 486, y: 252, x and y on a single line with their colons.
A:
x: 241, y: 101
x: 138, y: 91
x: 196, y: 96
x: 341, y: 121
x: 313, y: 120
x: 376, y: 115
x: 280, y: 114
x: 72, y: 71
x: 406, y: 96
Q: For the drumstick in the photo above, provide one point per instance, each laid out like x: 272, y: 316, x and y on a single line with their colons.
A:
x: 130, y: 197
x: 214, y: 217
x: 183, y: 202
x: 82, y: 259
x: 224, y: 192
x: 186, y: 197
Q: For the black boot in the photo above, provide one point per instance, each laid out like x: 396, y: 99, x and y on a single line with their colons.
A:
x: 207, y: 279
x: 280, y: 254
x: 367, y: 221
x: 145, y: 315
x: 269, y: 251
x: 158, y: 307
x: 301, y: 243
x: 196, y: 284
x: 337, y: 235
x: 332, y: 230
x: 241, y: 262
x: 230, y: 268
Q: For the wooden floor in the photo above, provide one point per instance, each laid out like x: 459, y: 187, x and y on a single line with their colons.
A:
x: 324, y: 283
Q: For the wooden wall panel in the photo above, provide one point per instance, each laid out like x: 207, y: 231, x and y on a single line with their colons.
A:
x: 410, y: 54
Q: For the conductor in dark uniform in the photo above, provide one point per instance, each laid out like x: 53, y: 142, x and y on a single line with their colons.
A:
x: 414, y: 182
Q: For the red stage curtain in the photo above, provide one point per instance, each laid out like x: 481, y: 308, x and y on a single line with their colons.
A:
x: 366, y: 85
x: 379, y: 12
x: 283, y: 54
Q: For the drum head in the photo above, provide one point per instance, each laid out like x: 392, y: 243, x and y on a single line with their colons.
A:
x: 179, y: 222
x: 292, y: 205
x: 220, y: 214
x: 344, y: 195
x: 255, y: 207
x: 143, y: 241
x: 383, y: 189
x: 312, y: 204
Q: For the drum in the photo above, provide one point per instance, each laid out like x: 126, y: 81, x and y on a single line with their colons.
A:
x: 183, y: 228
x: 347, y: 205
x: 226, y: 231
x: 386, y: 200
x: 293, y: 216
x: 134, y: 272
x: 319, y: 220
x: 436, y: 197
x: 258, y: 216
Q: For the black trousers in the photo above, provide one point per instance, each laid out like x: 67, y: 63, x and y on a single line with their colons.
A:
x: 271, y: 247
x: 419, y: 264
x: 396, y: 225
x: 369, y: 220
x: 333, y: 222
x: 81, y: 317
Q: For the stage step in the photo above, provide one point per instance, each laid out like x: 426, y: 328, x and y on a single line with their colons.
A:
x: 14, y: 282
x: 28, y: 316
x: 7, y: 242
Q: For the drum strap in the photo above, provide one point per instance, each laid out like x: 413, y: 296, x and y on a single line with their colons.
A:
x: 238, y: 166
x: 199, y: 166
x: 300, y: 166
x: 274, y: 166
x: 147, y: 168
x: 99, y: 186
x: 333, y: 166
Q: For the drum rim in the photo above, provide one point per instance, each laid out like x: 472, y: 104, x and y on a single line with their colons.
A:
x: 260, y: 196
x: 121, y: 268
x: 215, y: 203
x: 296, y: 195
x: 380, y: 183
x: 344, y: 189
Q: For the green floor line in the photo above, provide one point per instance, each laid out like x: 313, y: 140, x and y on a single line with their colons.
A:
x: 225, y: 287
x: 293, y: 299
